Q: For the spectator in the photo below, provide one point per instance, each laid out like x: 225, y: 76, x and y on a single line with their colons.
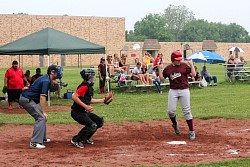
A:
x: 123, y: 63
x: 197, y: 76
x: 55, y: 87
x: 117, y: 61
x: 136, y: 60
x: 240, y: 62
x: 137, y: 74
x: 230, y: 66
x: 145, y: 73
x: 208, y: 77
x: 111, y: 66
x: 122, y: 78
x: 159, y: 60
x: 37, y: 75
x: 148, y: 60
x: 14, y: 82
x: 28, y: 77
x: 102, y: 75
x: 156, y: 79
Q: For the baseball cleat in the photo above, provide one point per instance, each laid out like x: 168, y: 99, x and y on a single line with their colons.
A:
x: 77, y: 144
x: 37, y: 145
x: 46, y: 140
x: 176, y: 129
x: 191, y: 135
x: 89, y: 141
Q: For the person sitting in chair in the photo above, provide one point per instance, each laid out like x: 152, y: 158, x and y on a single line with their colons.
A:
x: 137, y: 74
x: 208, y: 77
x: 56, y: 86
x: 240, y: 62
x: 231, y: 66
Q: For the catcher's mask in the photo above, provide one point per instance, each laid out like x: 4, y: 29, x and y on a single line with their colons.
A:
x: 88, y: 75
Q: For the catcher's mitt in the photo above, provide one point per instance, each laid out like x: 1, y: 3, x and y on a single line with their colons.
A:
x: 108, y: 97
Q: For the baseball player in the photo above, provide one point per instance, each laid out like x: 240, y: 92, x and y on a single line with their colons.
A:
x: 33, y: 100
x: 82, y: 111
x: 102, y: 75
x: 178, y: 72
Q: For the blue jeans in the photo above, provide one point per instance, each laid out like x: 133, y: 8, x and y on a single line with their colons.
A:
x: 158, y: 85
x: 209, y: 79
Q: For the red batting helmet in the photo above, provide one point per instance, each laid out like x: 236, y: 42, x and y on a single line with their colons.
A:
x: 176, y: 55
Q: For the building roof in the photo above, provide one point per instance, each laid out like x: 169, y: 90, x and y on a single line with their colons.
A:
x: 151, y: 44
x: 209, y: 45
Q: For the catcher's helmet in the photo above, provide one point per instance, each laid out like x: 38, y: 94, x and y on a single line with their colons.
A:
x: 87, y: 74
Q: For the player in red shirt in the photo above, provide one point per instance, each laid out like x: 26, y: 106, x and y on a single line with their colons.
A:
x: 178, y: 72
x: 83, y: 112
x: 14, y: 82
x: 102, y: 75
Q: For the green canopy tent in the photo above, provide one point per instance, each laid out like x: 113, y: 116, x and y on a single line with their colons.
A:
x: 50, y: 41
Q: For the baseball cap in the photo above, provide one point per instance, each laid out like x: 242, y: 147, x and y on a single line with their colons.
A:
x: 176, y: 55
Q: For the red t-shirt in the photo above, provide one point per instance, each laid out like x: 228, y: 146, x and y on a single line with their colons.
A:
x: 178, y: 75
x: 102, y: 69
x: 15, y: 78
x: 82, y: 90
x: 157, y: 61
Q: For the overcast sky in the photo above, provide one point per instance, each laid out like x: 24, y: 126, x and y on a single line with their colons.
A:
x: 223, y: 11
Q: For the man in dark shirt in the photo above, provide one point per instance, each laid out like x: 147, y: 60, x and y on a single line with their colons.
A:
x: 33, y: 100
x: 37, y: 75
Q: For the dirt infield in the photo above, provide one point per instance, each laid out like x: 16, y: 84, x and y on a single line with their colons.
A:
x: 128, y: 143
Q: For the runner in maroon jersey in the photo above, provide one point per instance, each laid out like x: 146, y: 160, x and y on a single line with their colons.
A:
x: 178, y: 72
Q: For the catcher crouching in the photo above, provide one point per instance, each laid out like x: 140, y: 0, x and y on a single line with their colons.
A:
x: 82, y: 111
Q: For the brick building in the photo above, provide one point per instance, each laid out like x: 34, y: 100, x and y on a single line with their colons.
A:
x: 108, y: 32
x: 105, y: 31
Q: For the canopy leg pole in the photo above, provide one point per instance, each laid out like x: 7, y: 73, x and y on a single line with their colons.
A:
x: 81, y: 60
x: 48, y: 90
x: 78, y: 63
x: 106, y: 67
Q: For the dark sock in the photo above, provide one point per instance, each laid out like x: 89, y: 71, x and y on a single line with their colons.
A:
x: 190, y: 124
x: 174, y: 120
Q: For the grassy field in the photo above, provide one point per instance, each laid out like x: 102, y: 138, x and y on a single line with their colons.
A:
x: 227, y: 100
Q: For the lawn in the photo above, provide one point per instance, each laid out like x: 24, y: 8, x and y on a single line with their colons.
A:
x: 227, y: 100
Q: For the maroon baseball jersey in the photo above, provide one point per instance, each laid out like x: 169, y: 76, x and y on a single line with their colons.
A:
x: 178, y: 75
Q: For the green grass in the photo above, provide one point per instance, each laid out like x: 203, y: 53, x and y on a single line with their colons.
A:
x: 227, y: 100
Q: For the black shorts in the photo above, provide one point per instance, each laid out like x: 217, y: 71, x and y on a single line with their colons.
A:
x: 14, y: 95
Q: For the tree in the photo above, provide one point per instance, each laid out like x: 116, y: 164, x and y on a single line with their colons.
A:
x: 21, y: 13
x: 153, y: 26
x: 236, y: 33
x: 130, y: 36
x: 176, y: 18
x: 199, y: 30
